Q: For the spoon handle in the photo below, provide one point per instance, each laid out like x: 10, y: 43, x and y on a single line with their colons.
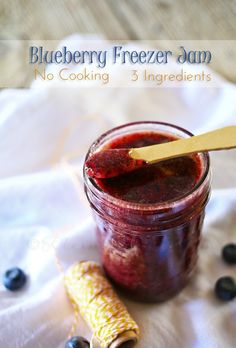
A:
x: 220, y: 139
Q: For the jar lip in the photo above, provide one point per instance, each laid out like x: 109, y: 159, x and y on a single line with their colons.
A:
x: 146, y: 206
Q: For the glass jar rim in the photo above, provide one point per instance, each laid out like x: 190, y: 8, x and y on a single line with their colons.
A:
x: 146, y: 206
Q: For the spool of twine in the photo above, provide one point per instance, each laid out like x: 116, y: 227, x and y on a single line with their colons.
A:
x: 98, y: 303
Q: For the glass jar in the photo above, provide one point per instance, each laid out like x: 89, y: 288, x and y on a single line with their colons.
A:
x: 148, y: 250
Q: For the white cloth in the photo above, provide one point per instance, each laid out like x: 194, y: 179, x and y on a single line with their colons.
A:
x: 43, y: 210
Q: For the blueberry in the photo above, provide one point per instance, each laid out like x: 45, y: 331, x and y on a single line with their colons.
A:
x: 225, y: 288
x: 229, y: 253
x: 77, y: 342
x: 14, y: 279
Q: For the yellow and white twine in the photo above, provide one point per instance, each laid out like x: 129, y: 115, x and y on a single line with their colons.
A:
x: 97, y: 302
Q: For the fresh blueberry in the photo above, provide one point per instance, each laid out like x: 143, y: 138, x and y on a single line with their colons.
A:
x: 225, y: 288
x: 77, y: 342
x: 14, y: 279
x: 229, y: 253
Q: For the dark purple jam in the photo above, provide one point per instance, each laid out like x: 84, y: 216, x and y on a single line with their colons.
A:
x: 111, y: 163
x: 149, y: 221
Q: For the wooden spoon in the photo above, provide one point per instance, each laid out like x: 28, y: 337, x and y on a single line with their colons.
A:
x: 219, y: 139
x: 114, y: 162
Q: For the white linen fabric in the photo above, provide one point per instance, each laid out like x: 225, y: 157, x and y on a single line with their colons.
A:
x: 44, y: 214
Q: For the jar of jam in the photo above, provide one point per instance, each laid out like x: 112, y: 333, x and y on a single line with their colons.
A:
x: 149, y: 221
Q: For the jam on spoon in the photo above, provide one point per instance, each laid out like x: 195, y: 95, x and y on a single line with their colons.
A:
x: 109, y: 163
x: 114, y: 159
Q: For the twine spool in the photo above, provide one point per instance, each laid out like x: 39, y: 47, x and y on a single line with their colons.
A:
x: 97, y: 302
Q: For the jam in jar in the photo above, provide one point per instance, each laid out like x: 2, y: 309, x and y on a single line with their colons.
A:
x: 149, y: 220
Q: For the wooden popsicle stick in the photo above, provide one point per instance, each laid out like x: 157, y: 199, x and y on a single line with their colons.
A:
x: 220, y: 139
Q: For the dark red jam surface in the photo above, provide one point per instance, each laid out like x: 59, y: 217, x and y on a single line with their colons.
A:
x: 150, y: 253
x: 154, y: 183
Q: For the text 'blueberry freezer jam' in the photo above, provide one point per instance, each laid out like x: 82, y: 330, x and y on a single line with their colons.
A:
x: 153, y: 183
x: 149, y: 220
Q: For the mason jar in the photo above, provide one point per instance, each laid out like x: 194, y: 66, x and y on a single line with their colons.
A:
x: 148, y: 250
